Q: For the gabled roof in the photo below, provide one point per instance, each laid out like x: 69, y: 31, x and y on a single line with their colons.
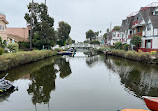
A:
x: 146, y: 13
x: 154, y: 21
x: 127, y: 23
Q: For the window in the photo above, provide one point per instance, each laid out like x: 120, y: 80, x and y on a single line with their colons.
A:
x: 118, y: 35
x: 156, y: 13
x: 149, y: 27
x: 1, y: 27
x: 138, y: 29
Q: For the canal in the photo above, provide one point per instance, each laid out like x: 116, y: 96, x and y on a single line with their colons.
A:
x: 80, y: 83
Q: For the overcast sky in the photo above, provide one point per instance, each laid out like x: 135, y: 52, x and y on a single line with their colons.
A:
x: 82, y: 15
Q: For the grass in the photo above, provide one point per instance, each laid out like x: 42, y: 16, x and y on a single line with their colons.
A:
x: 10, y: 60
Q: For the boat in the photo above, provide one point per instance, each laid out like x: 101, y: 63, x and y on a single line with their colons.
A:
x: 66, y: 53
x: 151, y: 102
x: 134, y: 110
x: 6, y: 85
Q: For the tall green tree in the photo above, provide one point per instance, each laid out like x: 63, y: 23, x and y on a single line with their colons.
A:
x: 90, y: 34
x: 43, y: 30
x: 64, y: 30
x: 105, y: 36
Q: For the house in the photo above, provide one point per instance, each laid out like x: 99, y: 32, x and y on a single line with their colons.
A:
x: 150, y: 38
x: 115, y: 37
x: 3, y: 23
x: 12, y: 35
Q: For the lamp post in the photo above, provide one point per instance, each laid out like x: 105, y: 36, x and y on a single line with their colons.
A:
x: 31, y: 26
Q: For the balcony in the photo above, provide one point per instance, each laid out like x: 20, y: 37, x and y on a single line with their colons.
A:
x: 130, y: 36
x: 135, y: 23
x: 139, y: 34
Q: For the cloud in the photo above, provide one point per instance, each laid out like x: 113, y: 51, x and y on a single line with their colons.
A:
x: 82, y: 15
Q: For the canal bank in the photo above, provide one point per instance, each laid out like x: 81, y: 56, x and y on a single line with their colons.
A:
x: 143, y: 57
x: 82, y: 83
x: 11, y: 60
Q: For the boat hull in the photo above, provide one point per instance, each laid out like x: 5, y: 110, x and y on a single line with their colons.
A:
x: 151, y: 103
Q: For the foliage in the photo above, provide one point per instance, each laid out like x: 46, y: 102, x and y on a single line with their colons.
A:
x: 24, y: 45
x: 13, y: 47
x: 64, y: 30
x: 11, y: 60
x: 136, y: 41
x: 86, y: 41
x: 112, y: 47
x: 0, y: 42
x: 58, y: 49
x: 96, y: 33
x: 70, y: 41
x: 102, y: 49
x: 107, y: 30
x: 133, y: 55
x: 1, y: 51
x: 95, y: 42
x: 4, y: 45
x: 43, y: 30
x: 116, y: 28
x: 105, y: 36
x: 90, y: 34
x: 126, y: 47
x: 118, y: 45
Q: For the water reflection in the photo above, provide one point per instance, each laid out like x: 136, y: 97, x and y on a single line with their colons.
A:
x: 64, y: 67
x: 140, y: 78
x: 43, y: 82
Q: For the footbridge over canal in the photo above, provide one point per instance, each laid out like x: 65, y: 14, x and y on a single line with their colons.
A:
x: 82, y: 46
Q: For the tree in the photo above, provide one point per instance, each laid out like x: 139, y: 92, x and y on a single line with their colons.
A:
x: 43, y: 30
x: 64, y: 30
x: 135, y: 40
x: 90, y: 34
x: 107, y: 30
x: 105, y: 36
x: 118, y: 45
x: 116, y: 28
x: 0, y: 42
x: 96, y: 33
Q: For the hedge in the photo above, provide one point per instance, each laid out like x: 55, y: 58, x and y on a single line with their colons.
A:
x: 10, y: 60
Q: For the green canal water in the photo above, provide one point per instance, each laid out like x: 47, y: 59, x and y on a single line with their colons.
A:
x: 80, y: 83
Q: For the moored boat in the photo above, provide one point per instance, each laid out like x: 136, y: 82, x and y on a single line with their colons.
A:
x: 66, y: 53
x: 151, y: 102
x: 5, y: 85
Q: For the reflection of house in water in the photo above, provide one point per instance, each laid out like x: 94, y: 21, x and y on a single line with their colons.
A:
x: 140, y: 78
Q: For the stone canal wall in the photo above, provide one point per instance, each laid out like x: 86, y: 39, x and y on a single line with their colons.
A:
x: 10, y: 60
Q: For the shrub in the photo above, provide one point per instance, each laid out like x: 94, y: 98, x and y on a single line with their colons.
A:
x: 120, y: 53
x: 95, y: 42
x: 24, y: 45
x: 112, y: 47
x: 14, y: 47
x: 15, y: 59
x: 1, y: 51
x: 126, y: 47
x: 58, y: 49
x: 138, y: 56
x: 118, y: 45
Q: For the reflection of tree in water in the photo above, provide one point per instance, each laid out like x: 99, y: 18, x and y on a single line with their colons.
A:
x: 64, y: 67
x: 140, y: 78
x: 43, y: 82
x: 92, y: 60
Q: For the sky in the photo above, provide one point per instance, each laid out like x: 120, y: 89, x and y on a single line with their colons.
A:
x: 82, y: 15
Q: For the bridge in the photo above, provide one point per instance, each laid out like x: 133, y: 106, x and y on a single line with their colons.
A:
x: 82, y: 46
